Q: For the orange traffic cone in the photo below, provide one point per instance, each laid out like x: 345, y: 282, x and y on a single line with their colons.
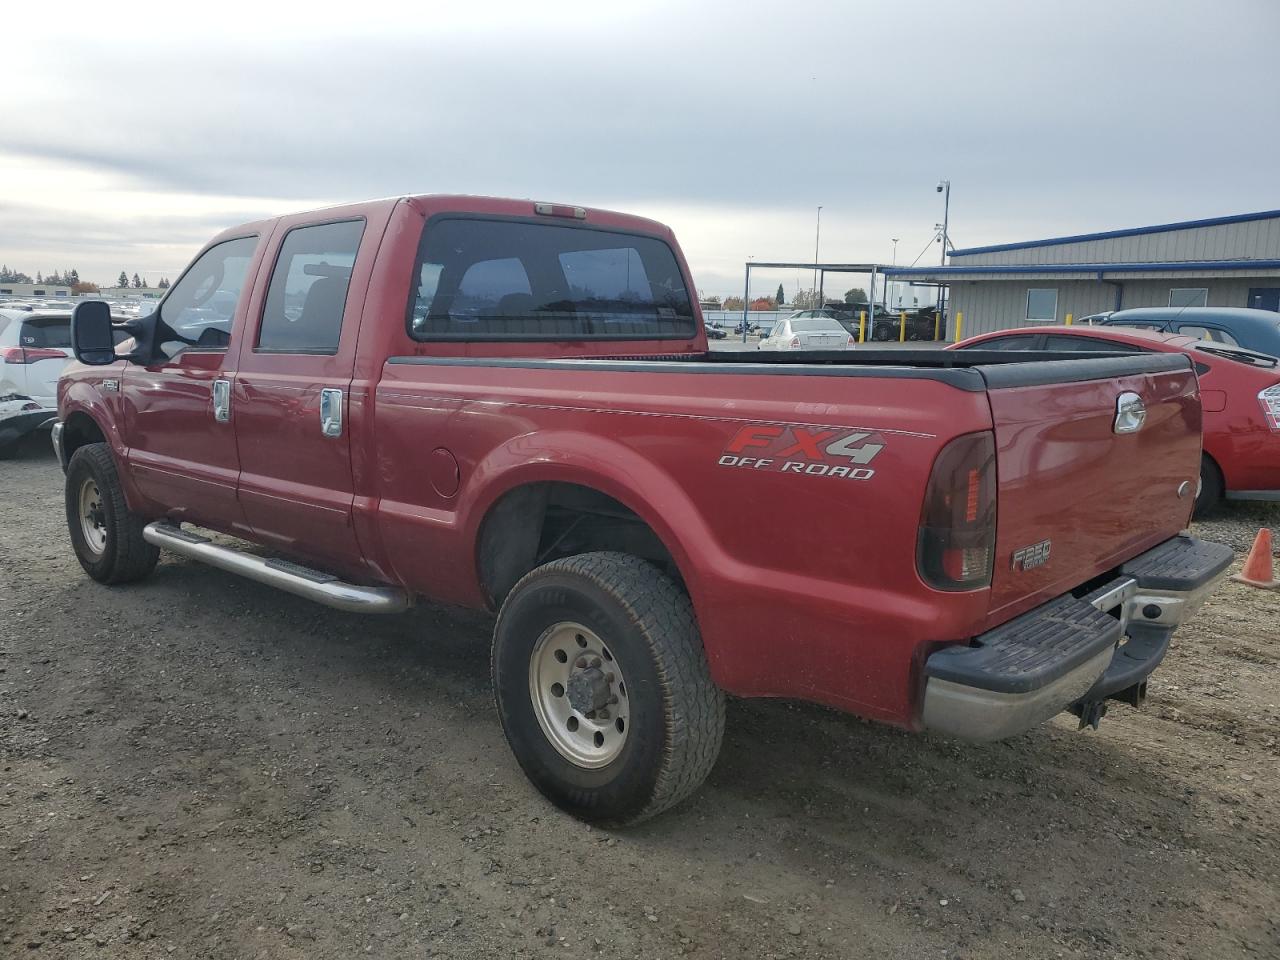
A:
x: 1258, y: 570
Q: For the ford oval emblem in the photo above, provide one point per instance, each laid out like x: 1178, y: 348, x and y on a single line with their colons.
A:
x: 1131, y: 413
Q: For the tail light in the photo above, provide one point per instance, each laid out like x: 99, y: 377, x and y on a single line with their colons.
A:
x: 956, y: 546
x: 1270, y: 400
x: 795, y: 343
x: 851, y: 343
x: 29, y: 354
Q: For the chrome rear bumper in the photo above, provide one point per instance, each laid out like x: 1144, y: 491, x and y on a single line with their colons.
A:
x: 1073, y: 653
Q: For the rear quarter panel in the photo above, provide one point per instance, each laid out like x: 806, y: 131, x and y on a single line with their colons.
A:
x: 804, y: 584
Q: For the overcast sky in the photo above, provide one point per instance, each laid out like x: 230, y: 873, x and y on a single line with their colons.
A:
x: 136, y: 133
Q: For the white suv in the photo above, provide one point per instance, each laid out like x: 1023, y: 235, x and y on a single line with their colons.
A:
x: 34, y: 347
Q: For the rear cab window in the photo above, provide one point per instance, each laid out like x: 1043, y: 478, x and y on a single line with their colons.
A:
x: 485, y: 279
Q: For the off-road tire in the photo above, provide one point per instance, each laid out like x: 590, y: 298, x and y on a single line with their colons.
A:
x: 1210, y: 494
x: 125, y: 556
x: 677, y: 711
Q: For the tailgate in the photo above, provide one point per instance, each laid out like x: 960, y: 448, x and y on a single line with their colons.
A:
x: 1076, y: 496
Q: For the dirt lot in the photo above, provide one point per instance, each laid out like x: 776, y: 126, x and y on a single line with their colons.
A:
x: 201, y: 767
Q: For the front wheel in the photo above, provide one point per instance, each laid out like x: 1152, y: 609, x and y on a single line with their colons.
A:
x: 603, y: 688
x: 107, y: 538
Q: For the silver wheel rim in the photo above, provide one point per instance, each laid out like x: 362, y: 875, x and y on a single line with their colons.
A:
x: 579, y: 695
x: 93, y: 519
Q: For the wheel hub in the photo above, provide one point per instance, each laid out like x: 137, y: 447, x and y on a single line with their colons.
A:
x: 579, y: 695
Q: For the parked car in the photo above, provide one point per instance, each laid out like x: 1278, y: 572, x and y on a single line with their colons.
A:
x: 887, y: 326
x: 34, y: 347
x: 1239, y: 392
x: 715, y: 331
x: 807, y: 330
x: 510, y: 405
x: 1257, y: 330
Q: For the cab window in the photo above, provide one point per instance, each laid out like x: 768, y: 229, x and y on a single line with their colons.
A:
x: 199, y: 310
x: 308, y: 292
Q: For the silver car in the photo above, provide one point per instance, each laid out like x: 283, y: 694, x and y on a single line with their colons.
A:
x: 800, y: 332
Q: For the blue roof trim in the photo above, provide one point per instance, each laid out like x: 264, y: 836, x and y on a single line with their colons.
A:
x: 1130, y: 232
x: 1093, y: 268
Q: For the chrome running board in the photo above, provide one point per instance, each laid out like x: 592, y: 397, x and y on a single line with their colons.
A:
x: 290, y: 577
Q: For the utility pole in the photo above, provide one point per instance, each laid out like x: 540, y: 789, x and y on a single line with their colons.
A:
x: 888, y: 284
x: 944, y: 187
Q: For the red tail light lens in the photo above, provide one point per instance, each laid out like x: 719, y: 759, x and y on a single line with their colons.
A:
x: 795, y: 343
x: 956, y: 546
x: 30, y: 354
x: 1270, y: 400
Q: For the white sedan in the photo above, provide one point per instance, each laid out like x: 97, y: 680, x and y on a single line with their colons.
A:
x: 807, y: 332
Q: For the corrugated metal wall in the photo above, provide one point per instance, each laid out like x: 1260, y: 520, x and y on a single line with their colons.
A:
x: 1000, y: 304
x: 1253, y: 239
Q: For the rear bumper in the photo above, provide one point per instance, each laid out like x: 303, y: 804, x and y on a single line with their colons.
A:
x: 1075, y: 652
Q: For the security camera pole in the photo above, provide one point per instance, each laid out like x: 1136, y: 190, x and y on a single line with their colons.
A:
x: 944, y: 187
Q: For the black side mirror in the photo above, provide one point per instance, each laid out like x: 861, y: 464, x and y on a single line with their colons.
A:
x: 92, y: 339
x: 94, y: 336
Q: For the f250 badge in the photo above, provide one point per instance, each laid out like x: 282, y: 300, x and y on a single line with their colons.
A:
x: 1028, y: 558
x: 818, y: 452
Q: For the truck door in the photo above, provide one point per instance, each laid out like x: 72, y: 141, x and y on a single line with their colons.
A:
x: 181, y: 442
x: 291, y: 392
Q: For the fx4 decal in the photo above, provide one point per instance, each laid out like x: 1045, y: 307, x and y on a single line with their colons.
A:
x: 815, y: 452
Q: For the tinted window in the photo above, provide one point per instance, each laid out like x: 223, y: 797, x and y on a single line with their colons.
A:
x: 308, y: 291
x: 47, y: 332
x: 202, y: 304
x: 1017, y: 342
x: 1080, y: 344
x: 1139, y: 324
x: 499, y: 280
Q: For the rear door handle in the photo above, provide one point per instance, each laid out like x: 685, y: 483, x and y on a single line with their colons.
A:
x: 222, y: 401
x: 331, y: 412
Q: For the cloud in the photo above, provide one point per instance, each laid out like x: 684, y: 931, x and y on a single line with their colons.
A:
x: 736, y: 120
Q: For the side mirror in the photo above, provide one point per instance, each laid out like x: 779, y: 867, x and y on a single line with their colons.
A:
x: 92, y: 340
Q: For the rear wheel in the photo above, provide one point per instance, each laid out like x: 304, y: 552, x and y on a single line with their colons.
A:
x: 1209, y: 493
x: 603, y: 689
x: 881, y: 333
x: 107, y: 538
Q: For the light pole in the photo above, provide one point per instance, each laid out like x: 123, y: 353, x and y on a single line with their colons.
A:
x: 944, y: 188
x: 888, y: 286
x: 817, y: 235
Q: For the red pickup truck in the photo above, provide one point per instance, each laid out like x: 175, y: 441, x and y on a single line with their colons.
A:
x: 511, y: 405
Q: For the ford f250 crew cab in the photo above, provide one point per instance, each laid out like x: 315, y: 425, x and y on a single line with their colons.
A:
x: 511, y: 405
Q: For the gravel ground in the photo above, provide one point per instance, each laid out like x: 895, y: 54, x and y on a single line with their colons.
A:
x: 198, y: 766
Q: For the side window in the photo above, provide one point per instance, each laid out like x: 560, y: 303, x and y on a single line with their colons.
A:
x: 1194, y: 330
x: 201, y: 306
x: 308, y: 292
x: 1216, y: 334
x: 1081, y: 344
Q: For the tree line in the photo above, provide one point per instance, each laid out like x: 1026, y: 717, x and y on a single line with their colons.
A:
x: 71, y: 278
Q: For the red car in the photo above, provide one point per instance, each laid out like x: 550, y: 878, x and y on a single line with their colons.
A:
x: 511, y: 405
x: 1239, y: 392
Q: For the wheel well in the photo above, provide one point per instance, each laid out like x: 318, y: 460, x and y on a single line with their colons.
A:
x: 540, y: 522
x: 79, y: 429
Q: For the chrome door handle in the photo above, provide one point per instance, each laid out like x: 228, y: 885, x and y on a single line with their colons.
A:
x: 222, y: 401
x: 331, y: 412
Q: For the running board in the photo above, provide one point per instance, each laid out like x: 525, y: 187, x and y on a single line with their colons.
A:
x: 290, y: 577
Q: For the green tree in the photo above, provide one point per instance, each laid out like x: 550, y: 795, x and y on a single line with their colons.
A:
x: 856, y: 295
x: 164, y: 283
x: 137, y: 281
x: 781, y: 298
x: 122, y: 280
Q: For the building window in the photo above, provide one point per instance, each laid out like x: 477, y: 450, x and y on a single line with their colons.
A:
x: 1042, y: 304
x: 1189, y: 297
